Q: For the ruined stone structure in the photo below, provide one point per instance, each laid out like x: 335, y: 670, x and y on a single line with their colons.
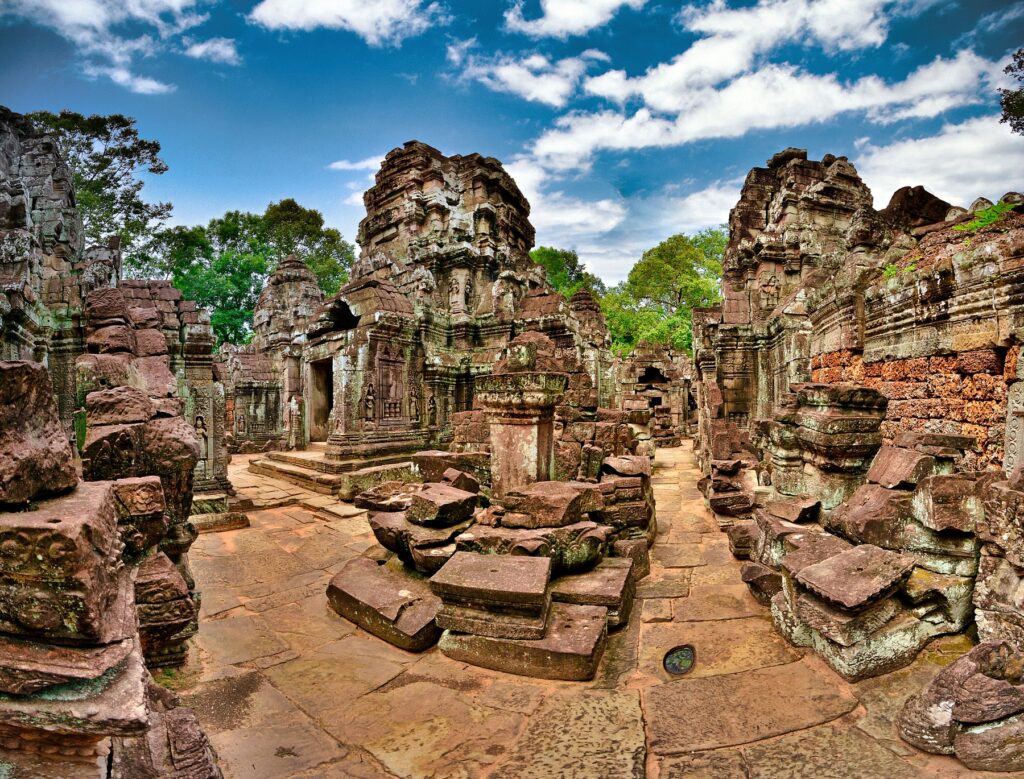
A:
x: 857, y: 429
x: 654, y: 382
x: 528, y: 573
x: 97, y: 574
x: 383, y: 369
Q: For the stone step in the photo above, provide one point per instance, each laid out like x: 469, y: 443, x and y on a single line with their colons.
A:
x: 315, y: 481
x: 316, y: 460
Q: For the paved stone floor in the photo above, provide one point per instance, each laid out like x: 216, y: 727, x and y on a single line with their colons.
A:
x: 286, y: 688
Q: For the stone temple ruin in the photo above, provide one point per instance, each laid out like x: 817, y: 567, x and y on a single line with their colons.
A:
x: 475, y: 482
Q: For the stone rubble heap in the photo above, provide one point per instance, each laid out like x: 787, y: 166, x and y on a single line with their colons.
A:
x: 76, y: 700
x: 850, y: 427
x: 527, y: 574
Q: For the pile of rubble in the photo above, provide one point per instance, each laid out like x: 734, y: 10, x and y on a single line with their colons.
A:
x: 76, y: 700
x: 527, y: 574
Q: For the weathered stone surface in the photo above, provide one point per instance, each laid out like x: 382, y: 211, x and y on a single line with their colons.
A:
x: 806, y: 549
x: 873, y: 515
x: 400, y: 610
x: 993, y: 746
x: 609, y: 584
x: 440, y: 505
x: 947, y: 502
x: 798, y: 510
x: 461, y: 480
x: 743, y: 539
x: 433, y: 463
x: 897, y: 467
x: 499, y: 580
x: 571, y: 548
x: 424, y: 548
x: 627, y: 466
x: 543, y: 504
x: 637, y: 550
x: 492, y: 622
x: 811, y: 698
x: 891, y: 647
x: 842, y: 627
x: 570, y: 650
x: 35, y: 455
x: 764, y: 583
x: 28, y: 666
x: 118, y: 405
x: 854, y: 578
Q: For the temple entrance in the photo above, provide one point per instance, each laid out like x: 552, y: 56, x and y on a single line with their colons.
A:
x: 321, y: 399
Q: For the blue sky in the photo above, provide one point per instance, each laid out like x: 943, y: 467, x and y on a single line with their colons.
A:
x: 623, y: 121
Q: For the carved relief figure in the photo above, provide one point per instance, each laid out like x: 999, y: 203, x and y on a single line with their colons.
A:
x: 432, y: 412
x: 370, y: 403
x: 456, y: 303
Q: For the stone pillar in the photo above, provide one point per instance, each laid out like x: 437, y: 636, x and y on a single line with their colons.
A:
x: 519, y: 399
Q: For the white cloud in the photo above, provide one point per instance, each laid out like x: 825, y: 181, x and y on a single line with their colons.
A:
x: 96, y: 29
x: 354, y: 199
x: 370, y: 163
x: 564, y: 18
x: 378, y: 22
x: 960, y: 163
x: 533, y: 77
x: 777, y: 95
x: 222, y: 50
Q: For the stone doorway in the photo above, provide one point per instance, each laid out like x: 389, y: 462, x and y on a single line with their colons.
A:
x: 321, y: 399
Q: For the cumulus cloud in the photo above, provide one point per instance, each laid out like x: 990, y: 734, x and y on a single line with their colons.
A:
x: 960, y: 163
x: 220, y: 50
x: 378, y: 22
x: 96, y: 28
x: 533, y: 77
x: 775, y: 96
x: 370, y: 163
x: 565, y: 18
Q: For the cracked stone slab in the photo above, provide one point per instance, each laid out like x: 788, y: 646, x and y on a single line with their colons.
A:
x: 690, y: 715
x: 581, y: 736
x: 857, y: 576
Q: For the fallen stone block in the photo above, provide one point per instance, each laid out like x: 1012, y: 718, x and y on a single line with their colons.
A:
x: 891, y: 647
x: 858, y: 576
x: 610, y: 584
x: 461, y: 480
x: 947, y: 503
x: 805, y: 549
x: 843, y: 627
x: 497, y: 580
x: 873, y: 515
x: 898, y: 467
x: 388, y: 496
x: 571, y: 548
x: 543, y: 504
x: 493, y: 621
x: 440, y: 505
x: 398, y: 609
x: 763, y: 582
x: 570, y: 650
x: 424, y: 548
x: 743, y: 539
x: 797, y: 510
x: 637, y: 550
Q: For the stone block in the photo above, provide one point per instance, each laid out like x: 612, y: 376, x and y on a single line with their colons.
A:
x: 424, y: 548
x: 844, y: 628
x: 764, y: 583
x: 494, y: 580
x: 493, y: 622
x: 805, y: 549
x: 898, y: 467
x: 570, y: 548
x: 461, y: 480
x: 543, y: 504
x: 743, y: 539
x: 111, y: 339
x: 854, y: 578
x: 610, y: 584
x: 637, y: 550
x: 398, y: 609
x: 432, y: 464
x: 873, y: 515
x: 627, y: 466
x: 891, y: 647
x: 948, y: 502
x: 570, y: 650
x: 61, y: 574
x: 35, y: 454
x: 118, y: 406
x: 28, y: 666
x: 440, y: 505
x: 150, y: 341
x: 798, y: 510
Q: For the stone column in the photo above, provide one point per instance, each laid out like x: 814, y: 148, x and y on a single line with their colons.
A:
x: 520, y: 409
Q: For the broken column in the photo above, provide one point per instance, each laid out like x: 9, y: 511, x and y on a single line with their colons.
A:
x: 520, y: 399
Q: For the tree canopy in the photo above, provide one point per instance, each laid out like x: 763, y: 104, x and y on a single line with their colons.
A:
x: 1012, y: 100
x: 565, y: 272
x: 655, y: 302
x: 225, y: 264
x: 106, y: 156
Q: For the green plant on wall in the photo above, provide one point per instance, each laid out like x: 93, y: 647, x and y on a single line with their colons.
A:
x: 985, y: 217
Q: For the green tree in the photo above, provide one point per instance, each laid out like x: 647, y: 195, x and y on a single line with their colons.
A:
x: 656, y: 301
x: 222, y: 266
x: 1012, y: 100
x: 565, y: 272
x: 294, y: 229
x: 106, y: 157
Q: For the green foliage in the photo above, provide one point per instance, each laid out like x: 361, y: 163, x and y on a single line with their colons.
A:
x: 656, y: 301
x: 106, y: 157
x: 1012, y: 100
x: 985, y: 217
x: 225, y: 265
x: 565, y: 272
x: 890, y: 271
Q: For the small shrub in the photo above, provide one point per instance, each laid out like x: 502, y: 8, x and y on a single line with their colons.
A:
x: 985, y: 217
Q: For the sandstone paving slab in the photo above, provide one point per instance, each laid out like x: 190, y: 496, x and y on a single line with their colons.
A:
x: 672, y: 555
x: 656, y: 610
x: 719, y: 764
x: 691, y: 715
x: 308, y: 624
x: 425, y: 729
x: 826, y: 752
x: 711, y: 575
x: 620, y: 658
x: 240, y: 639
x: 723, y: 647
x: 338, y: 672
x: 590, y: 734
x: 665, y: 583
x: 717, y: 602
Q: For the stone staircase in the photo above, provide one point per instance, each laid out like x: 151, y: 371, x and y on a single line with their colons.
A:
x: 312, y: 470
